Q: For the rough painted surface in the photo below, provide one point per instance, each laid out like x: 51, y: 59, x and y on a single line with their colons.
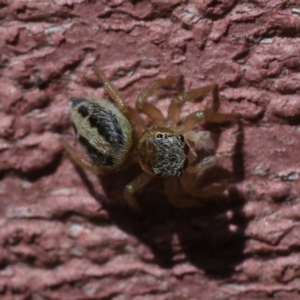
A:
x: 67, y: 234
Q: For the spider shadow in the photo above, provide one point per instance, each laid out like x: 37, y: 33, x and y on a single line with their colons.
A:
x: 206, y: 238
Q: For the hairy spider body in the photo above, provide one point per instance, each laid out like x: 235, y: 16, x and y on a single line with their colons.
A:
x: 162, y: 152
x: 115, y: 135
x: 103, y: 131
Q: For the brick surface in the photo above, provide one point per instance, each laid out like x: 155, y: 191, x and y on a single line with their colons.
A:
x: 68, y: 234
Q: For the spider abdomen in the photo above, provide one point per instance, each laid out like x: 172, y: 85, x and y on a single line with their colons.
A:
x: 103, y: 130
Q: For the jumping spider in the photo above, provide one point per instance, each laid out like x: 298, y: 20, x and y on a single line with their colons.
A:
x: 115, y: 135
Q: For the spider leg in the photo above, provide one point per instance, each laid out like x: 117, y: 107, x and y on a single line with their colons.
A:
x: 135, y: 185
x: 111, y: 89
x: 147, y: 108
x: 195, y: 117
x: 189, y: 185
x: 204, y: 164
x: 113, y: 92
x: 80, y: 161
x: 171, y: 190
x: 178, y: 101
x: 201, y: 137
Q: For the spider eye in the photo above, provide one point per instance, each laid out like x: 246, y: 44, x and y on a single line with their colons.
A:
x: 159, y: 136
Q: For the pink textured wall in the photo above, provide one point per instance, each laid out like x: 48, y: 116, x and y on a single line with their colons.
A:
x: 67, y: 234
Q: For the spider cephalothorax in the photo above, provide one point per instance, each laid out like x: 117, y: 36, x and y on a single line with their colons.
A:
x: 162, y: 152
x: 115, y: 135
